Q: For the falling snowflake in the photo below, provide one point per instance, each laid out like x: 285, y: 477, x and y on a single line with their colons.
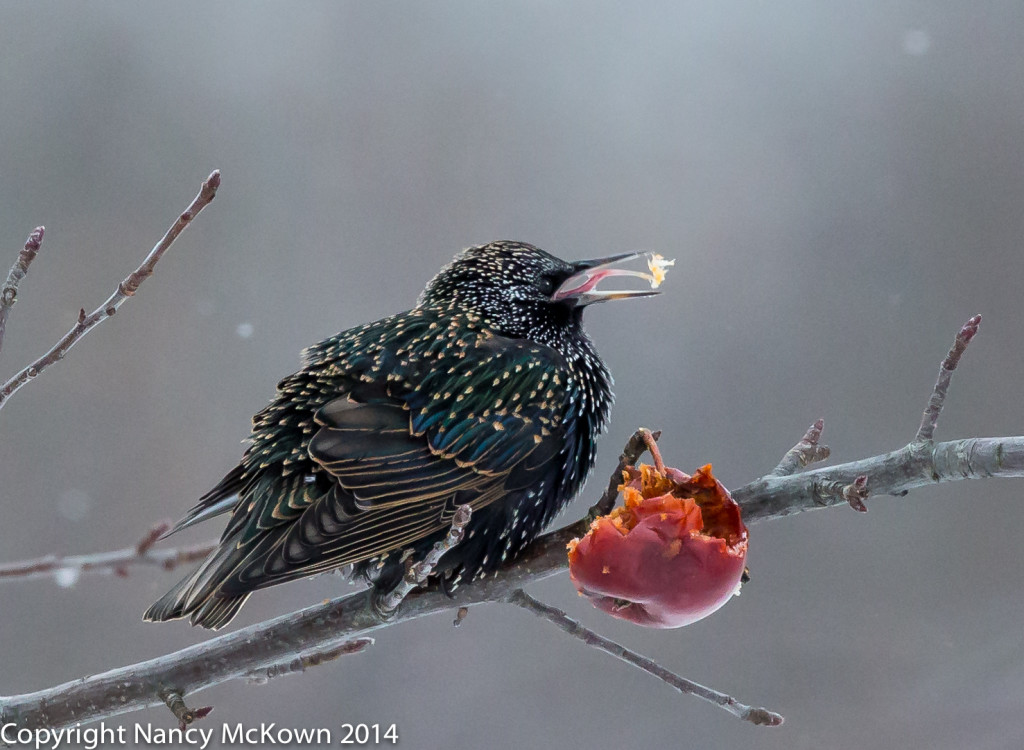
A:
x: 916, y: 42
x: 66, y: 577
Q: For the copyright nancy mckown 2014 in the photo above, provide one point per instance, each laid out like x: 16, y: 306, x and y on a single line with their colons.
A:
x: 94, y: 737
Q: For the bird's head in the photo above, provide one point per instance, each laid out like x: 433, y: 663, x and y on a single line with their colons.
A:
x: 525, y: 291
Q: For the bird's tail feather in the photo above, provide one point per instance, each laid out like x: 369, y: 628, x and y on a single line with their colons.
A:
x: 217, y: 611
x: 220, y: 499
x: 197, y: 596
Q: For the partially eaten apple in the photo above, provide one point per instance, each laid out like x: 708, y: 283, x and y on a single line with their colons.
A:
x: 672, y: 554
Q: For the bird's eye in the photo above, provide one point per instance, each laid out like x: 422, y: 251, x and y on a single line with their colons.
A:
x: 546, y: 285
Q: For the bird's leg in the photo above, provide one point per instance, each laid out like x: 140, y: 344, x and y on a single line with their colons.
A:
x: 385, y: 604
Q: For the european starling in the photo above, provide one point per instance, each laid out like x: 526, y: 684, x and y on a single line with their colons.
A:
x: 487, y: 392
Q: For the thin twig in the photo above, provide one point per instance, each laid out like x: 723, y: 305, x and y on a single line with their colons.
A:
x: 856, y: 492
x: 125, y: 289
x: 805, y: 452
x: 417, y: 574
x: 155, y: 533
x: 635, y: 447
x: 760, y: 716
x: 185, y: 715
x: 304, y: 661
x: 116, y: 561
x: 9, y: 294
x: 938, y: 398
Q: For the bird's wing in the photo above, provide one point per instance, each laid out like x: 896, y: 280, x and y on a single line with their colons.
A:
x: 401, y: 463
x: 496, y: 410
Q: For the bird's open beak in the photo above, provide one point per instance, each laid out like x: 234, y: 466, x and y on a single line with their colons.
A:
x: 580, y: 288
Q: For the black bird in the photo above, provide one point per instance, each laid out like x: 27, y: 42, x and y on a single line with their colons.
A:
x: 487, y: 392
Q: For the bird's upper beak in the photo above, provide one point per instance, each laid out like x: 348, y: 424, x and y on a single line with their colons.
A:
x: 579, y: 289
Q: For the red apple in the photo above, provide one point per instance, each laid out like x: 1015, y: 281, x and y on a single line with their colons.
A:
x: 671, y: 555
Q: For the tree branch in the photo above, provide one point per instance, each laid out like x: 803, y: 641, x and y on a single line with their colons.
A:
x: 325, y: 628
x: 125, y: 289
x: 304, y: 661
x: 116, y: 561
x: 9, y: 295
x: 760, y: 716
x: 896, y: 473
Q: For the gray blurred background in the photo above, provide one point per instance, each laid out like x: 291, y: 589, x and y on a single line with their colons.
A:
x: 842, y: 186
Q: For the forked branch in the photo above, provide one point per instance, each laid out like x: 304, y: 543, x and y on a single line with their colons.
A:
x: 125, y: 289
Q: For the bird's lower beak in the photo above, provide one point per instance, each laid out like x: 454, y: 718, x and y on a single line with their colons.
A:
x: 580, y: 288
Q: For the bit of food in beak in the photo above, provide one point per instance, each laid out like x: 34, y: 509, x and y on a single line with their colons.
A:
x: 580, y: 288
x: 658, y: 265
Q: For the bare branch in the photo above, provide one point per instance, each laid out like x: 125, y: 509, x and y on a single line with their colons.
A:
x: 265, y: 646
x: 805, y: 452
x: 896, y: 473
x: 9, y: 294
x: 125, y: 289
x: 324, y: 626
x: 760, y: 716
x: 418, y: 573
x: 116, y: 561
x: 931, y: 413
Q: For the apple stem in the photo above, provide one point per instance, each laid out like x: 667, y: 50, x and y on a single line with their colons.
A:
x: 651, y: 441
